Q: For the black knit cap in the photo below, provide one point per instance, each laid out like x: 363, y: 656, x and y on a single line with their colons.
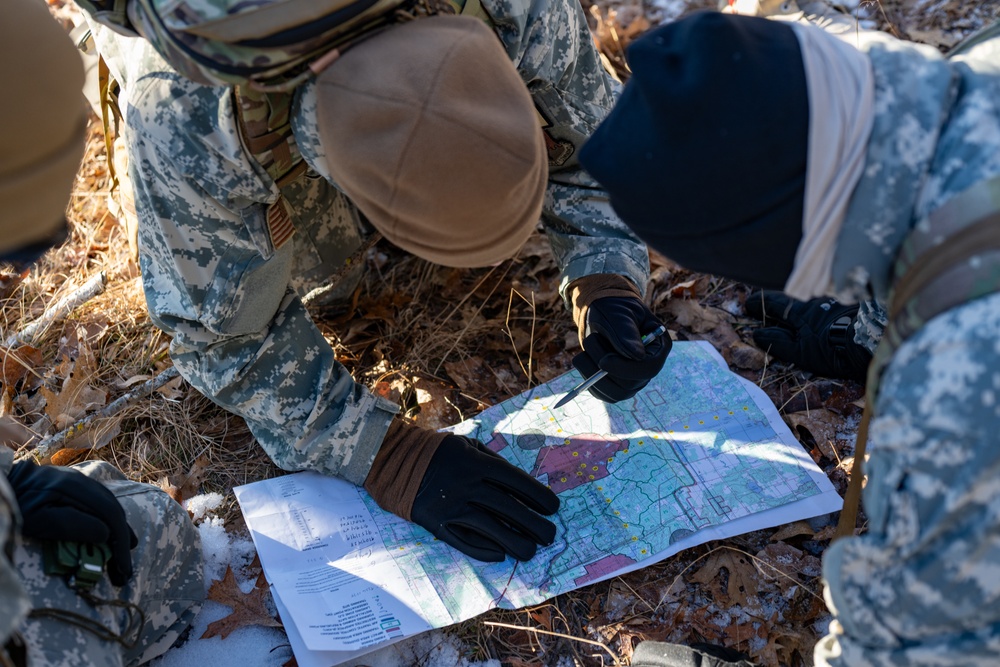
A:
x: 704, y: 155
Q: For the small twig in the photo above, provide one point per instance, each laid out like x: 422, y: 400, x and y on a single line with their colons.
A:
x: 49, y: 446
x: 510, y: 334
x: 511, y: 626
x: 59, y: 309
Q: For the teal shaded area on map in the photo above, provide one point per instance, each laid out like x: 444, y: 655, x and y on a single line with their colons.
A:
x: 692, y: 450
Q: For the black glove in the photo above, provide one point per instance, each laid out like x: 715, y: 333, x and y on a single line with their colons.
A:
x: 474, y: 500
x: 615, y: 327
x: 60, y: 504
x: 816, y: 335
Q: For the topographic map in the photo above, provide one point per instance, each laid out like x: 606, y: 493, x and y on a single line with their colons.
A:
x: 699, y: 454
x: 698, y: 448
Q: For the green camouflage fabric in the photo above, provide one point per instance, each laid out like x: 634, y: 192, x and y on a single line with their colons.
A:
x: 179, y: 30
x: 232, y: 299
x: 920, y: 586
x: 168, y: 584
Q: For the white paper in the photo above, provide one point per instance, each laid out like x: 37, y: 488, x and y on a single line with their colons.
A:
x: 700, y: 454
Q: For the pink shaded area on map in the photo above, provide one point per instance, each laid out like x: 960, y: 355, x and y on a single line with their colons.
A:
x: 583, y: 461
x: 602, y: 567
x: 497, y: 443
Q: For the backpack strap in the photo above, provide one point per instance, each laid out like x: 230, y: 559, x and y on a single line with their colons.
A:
x: 265, y: 126
x: 951, y: 258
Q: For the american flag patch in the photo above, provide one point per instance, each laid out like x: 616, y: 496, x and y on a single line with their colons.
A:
x: 279, y: 223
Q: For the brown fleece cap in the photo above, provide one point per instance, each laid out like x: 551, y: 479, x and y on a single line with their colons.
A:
x: 42, y: 123
x: 430, y: 131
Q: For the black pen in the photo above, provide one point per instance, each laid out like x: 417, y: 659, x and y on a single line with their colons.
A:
x: 596, y: 377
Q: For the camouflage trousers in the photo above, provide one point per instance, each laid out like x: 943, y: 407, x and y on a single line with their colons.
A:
x: 168, y: 585
x: 921, y: 586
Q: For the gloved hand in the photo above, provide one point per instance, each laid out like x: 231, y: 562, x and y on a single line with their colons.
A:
x: 60, y: 504
x: 613, y: 342
x: 474, y: 500
x: 816, y: 335
x: 463, y: 493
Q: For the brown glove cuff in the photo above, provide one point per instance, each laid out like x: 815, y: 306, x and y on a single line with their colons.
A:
x: 588, y: 289
x: 400, y: 465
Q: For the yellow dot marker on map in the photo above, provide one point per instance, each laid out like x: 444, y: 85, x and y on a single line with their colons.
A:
x: 592, y: 477
x: 640, y: 442
x: 642, y: 551
x: 594, y: 468
x: 607, y: 500
x: 670, y: 431
x: 745, y: 407
x: 624, y: 525
x: 600, y: 488
x: 562, y: 479
x: 716, y: 417
x: 625, y: 450
x: 635, y: 539
x: 583, y: 465
x: 686, y: 426
x: 617, y: 513
x: 701, y: 421
x: 576, y: 453
x: 566, y: 441
x: 730, y: 412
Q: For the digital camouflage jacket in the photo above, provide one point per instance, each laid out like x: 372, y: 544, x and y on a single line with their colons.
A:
x: 232, y: 302
x: 919, y: 586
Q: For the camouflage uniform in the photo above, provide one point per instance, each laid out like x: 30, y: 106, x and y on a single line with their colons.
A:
x: 920, y: 586
x: 232, y: 300
x: 168, y: 583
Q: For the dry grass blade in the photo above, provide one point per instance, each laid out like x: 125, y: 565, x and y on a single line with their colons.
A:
x: 537, y: 631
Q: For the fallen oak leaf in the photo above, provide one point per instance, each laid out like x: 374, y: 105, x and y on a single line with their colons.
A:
x: 741, y: 586
x: 248, y: 608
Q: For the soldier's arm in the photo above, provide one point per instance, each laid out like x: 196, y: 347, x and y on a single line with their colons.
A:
x: 240, y: 334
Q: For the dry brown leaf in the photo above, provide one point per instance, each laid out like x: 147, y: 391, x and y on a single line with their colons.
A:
x: 189, y: 485
x: 17, y: 363
x: 469, y: 375
x: 791, y: 530
x: 71, y: 455
x: 174, y: 390
x: 685, y: 290
x: 742, y: 585
x: 76, y: 396
x: 716, y: 327
x: 543, y: 617
x: 248, y: 608
x: 821, y: 426
x: 783, y: 558
x: 433, y: 397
